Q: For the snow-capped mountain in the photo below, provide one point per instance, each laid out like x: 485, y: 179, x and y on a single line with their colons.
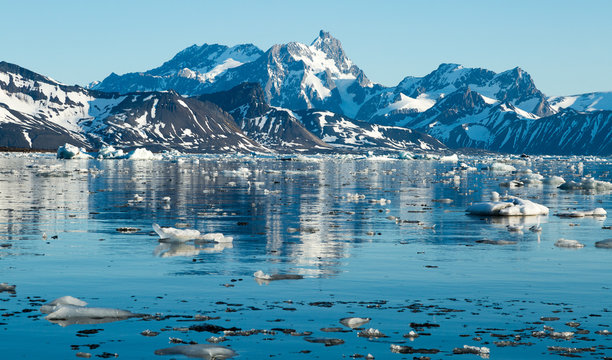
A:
x: 38, y: 112
x: 294, y: 75
x: 416, y: 95
x: 189, y: 72
x: 283, y: 129
x: 342, y: 132
x: 590, y: 102
x: 275, y: 128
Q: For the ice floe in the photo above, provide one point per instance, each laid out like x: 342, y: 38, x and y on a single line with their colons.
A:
x: 566, y: 243
x: 354, y: 322
x: 597, y: 212
x: 271, y: 277
x: 501, y: 167
x: 200, y: 351
x: 605, y: 244
x: 512, y: 206
x: 7, y: 287
x: 589, y: 184
x: 62, y: 301
x: 173, y: 234
x: 69, y: 151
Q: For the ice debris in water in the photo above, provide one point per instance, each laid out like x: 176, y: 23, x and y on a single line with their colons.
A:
x: 501, y: 167
x: 354, y: 322
x: 216, y: 237
x: 371, y: 333
x: 69, y: 151
x: 109, y: 152
x: 467, y: 349
x: 142, y: 154
x: 553, y: 180
x: 597, y: 212
x: 67, y: 312
x: 173, y: 234
x: 512, y: 206
x: 57, y: 303
x: 566, y: 243
x: 449, y: 158
x: 605, y: 244
x: 587, y: 184
x: 354, y: 197
x: 200, y: 351
x: 7, y: 287
x: 263, y: 276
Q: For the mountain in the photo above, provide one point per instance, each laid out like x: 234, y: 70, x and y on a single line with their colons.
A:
x: 189, y: 72
x: 275, y: 128
x: 38, y: 112
x: 294, y: 76
x: 166, y: 120
x: 283, y: 129
x: 590, y: 102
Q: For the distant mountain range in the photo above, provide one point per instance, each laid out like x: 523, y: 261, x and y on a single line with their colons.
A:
x: 299, y: 98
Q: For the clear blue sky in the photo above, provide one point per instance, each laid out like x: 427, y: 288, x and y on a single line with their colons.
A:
x: 564, y: 45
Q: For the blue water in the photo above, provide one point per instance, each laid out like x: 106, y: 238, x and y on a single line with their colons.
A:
x: 294, y: 217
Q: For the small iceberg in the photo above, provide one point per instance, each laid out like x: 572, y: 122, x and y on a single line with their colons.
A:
x: 597, y: 212
x: 604, y: 244
x: 371, y: 333
x: 354, y: 322
x: 512, y: 206
x: 483, y: 352
x: 566, y: 243
x: 200, y: 351
x: 69, y: 151
x: 501, y: 167
x: 62, y: 301
x: 553, y: 180
x: 260, y: 275
x: 588, y: 184
x: 6, y: 287
x: 175, y: 235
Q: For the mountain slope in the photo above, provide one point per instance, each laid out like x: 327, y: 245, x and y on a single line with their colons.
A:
x: 189, y: 72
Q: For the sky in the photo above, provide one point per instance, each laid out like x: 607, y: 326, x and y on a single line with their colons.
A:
x: 563, y: 45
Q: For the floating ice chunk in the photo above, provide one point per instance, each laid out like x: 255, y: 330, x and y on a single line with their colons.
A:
x: 263, y: 276
x: 354, y: 197
x: 242, y: 172
x: 553, y: 180
x: 371, y: 333
x: 7, y: 287
x: 142, y: 154
x: 64, y: 300
x: 354, y: 322
x: 406, y: 155
x: 501, y: 167
x: 566, y: 243
x: 496, y: 242
x: 597, y: 212
x: 587, y: 184
x: 216, y: 237
x: 382, y: 201
x: 326, y: 341
x: 466, y: 167
x: 513, y: 206
x: 69, y: 151
x: 605, y: 244
x: 173, y: 234
x: 467, y: 349
x: 200, y: 351
x: 109, y: 152
x: 70, y: 314
x: 166, y: 199
x: 449, y: 158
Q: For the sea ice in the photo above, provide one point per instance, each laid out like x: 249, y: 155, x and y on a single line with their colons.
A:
x: 173, y: 234
x: 587, y: 184
x: 501, y: 167
x: 7, y: 287
x: 57, y: 303
x: 597, y: 212
x: 263, y: 276
x: 69, y: 151
x: 513, y: 206
x: 606, y: 244
x: 67, y: 312
x: 354, y: 322
x: 566, y: 243
x: 200, y: 351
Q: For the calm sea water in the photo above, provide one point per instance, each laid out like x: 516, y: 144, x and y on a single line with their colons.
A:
x: 407, y: 260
